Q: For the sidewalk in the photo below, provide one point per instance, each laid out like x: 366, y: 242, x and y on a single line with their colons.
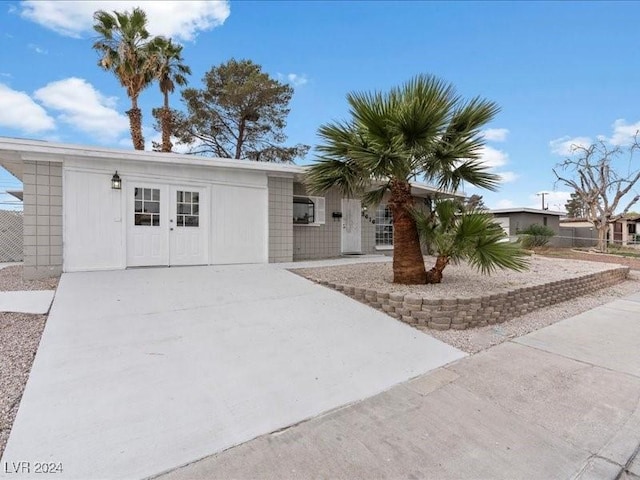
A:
x: 559, y: 403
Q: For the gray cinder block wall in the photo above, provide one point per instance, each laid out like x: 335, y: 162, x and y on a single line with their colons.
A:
x: 280, y: 219
x: 42, y: 185
x: 324, y: 241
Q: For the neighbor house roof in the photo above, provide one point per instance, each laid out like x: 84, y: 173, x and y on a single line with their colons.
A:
x: 527, y: 210
x: 14, y: 151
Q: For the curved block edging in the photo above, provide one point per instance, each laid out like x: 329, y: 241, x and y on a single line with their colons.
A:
x: 463, y: 313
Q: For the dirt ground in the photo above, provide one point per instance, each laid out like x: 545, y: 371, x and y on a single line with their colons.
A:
x: 632, y: 263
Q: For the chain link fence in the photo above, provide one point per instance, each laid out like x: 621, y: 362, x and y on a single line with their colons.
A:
x: 11, y: 239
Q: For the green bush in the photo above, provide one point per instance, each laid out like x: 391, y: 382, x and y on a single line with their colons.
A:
x: 535, y: 236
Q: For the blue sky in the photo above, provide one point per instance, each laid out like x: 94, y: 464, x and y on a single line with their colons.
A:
x: 563, y: 73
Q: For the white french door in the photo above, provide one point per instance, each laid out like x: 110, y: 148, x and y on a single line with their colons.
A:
x: 351, y: 238
x: 187, y: 226
x: 166, y: 225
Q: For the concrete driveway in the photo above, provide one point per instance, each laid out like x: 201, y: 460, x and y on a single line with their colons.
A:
x: 141, y: 371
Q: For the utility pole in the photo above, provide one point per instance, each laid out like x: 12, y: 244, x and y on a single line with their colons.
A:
x: 542, y: 194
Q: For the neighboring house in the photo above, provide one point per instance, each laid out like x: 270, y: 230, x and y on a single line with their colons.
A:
x: 577, y: 232
x: 514, y: 220
x: 625, y: 231
x: 89, y: 208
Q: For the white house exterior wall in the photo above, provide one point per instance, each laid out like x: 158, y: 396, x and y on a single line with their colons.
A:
x: 95, y: 215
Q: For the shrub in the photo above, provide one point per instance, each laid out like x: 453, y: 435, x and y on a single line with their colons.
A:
x: 535, y: 236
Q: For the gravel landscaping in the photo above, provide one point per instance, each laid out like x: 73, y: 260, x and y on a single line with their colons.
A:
x: 19, y: 338
x: 462, y: 281
x: 459, y: 281
x: 11, y: 281
x: 481, y: 338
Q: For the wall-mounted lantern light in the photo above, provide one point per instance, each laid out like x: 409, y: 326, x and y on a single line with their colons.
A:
x: 116, y: 183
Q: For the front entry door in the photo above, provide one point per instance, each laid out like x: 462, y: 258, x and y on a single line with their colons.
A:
x: 188, y: 226
x: 351, y: 226
x: 166, y: 225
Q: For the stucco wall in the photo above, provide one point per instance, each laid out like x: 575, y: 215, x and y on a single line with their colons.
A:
x: 280, y: 219
x: 42, y: 182
x: 522, y: 220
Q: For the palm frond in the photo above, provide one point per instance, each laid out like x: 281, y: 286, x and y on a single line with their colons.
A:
x: 329, y: 173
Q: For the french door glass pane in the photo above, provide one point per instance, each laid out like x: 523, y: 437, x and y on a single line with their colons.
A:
x: 146, y: 207
x: 187, y: 209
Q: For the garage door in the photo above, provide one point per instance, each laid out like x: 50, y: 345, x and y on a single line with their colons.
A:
x: 239, y: 231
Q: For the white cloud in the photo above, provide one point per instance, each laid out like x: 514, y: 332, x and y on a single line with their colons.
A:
x: 297, y: 80
x: 493, y: 157
x: 623, y: 133
x: 83, y: 107
x: 554, y: 201
x: 151, y: 137
x: 506, y: 177
x: 294, y: 79
x: 37, y: 49
x: 495, y: 134
x: 181, y: 20
x: 19, y: 111
x: 566, y: 145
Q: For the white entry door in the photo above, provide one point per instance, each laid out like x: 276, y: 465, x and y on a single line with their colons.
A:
x: 166, y: 225
x: 188, y: 226
x: 147, y: 225
x: 351, y: 226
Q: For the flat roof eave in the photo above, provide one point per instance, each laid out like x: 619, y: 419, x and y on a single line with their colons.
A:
x: 14, y: 151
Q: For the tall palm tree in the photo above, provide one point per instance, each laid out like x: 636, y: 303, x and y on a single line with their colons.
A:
x: 123, y: 47
x: 456, y: 232
x: 170, y: 71
x: 421, y: 130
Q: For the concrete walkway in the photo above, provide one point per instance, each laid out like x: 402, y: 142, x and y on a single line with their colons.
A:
x: 559, y: 403
x: 33, y: 301
x: 142, y: 371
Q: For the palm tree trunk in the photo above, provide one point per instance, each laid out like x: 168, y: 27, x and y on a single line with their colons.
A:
x: 166, y: 125
x: 408, y: 263
x: 135, y: 124
x: 435, y: 274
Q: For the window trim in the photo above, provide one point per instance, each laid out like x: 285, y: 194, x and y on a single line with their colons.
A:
x: 319, y: 210
x: 379, y: 223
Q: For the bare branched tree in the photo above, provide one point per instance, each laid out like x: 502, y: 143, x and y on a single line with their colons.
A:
x: 607, y: 194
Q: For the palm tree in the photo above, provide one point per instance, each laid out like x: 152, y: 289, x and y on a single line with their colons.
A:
x: 170, y: 71
x: 419, y: 130
x: 123, y: 49
x: 454, y: 232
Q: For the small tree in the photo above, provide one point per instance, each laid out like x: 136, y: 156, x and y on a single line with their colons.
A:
x: 422, y: 129
x: 575, y: 207
x: 475, y: 202
x: 240, y: 113
x: 535, y: 235
x: 591, y: 173
x: 458, y: 233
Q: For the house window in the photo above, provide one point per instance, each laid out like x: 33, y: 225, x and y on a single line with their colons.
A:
x: 308, y: 210
x: 147, y: 207
x: 632, y: 228
x: 384, y: 226
x: 187, y: 209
